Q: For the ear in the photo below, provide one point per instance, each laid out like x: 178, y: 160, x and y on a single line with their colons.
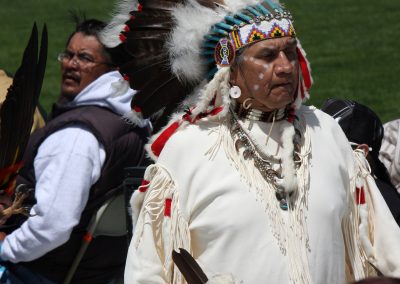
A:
x: 364, y: 148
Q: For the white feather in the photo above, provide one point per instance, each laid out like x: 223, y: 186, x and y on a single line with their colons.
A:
x: 110, y: 35
x: 135, y: 118
x: 193, y: 22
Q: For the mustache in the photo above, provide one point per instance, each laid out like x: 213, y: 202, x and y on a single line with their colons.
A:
x: 71, y: 75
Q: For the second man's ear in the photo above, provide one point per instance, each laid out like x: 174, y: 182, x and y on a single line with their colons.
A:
x: 364, y: 148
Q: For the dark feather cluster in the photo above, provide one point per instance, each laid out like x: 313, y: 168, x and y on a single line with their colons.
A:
x: 17, y: 110
x: 145, y: 62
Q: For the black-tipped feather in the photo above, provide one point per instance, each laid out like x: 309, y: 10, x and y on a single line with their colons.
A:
x: 189, y: 267
x: 146, y: 58
x: 17, y: 110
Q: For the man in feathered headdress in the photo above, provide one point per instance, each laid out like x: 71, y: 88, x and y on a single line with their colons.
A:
x: 247, y: 179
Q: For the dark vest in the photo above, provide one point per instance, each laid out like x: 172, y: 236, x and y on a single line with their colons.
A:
x: 123, y: 144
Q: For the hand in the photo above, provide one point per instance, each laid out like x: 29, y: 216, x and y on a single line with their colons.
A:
x: 5, y: 202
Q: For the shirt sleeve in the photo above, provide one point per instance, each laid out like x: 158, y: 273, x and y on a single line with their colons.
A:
x: 67, y: 164
x: 159, y: 229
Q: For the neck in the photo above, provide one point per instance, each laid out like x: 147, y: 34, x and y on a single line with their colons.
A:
x: 258, y: 115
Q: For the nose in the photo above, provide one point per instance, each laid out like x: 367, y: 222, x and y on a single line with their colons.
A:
x: 283, y: 64
x: 71, y: 63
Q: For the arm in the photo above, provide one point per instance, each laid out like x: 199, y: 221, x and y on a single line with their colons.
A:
x: 67, y: 164
x: 159, y: 229
x: 375, y: 231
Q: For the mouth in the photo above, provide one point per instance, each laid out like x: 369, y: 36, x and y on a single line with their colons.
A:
x: 285, y: 85
x: 69, y: 78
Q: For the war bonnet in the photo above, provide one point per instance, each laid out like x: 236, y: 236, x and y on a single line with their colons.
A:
x: 180, y: 50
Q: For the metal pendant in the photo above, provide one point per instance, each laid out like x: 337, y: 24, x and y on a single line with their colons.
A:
x: 284, y: 204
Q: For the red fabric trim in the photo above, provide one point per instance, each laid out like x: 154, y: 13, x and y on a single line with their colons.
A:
x: 122, y: 37
x: 159, y: 143
x: 167, y: 211
x: 140, y: 8
x: 137, y: 109
x: 145, y: 185
x: 126, y: 28
x: 126, y: 77
x: 360, y: 195
x: 87, y: 238
x: 304, y: 69
x: 8, y: 176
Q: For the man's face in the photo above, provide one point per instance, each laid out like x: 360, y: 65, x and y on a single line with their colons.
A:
x: 84, y: 63
x: 267, y: 71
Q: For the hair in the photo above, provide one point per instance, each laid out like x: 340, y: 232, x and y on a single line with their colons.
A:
x: 361, y: 126
x: 380, y: 280
x: 89, y: 27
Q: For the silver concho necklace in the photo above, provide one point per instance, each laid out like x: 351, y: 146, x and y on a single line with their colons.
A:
x: 262, y: 161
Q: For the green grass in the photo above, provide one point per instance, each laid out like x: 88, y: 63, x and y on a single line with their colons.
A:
x: 352, y: 45
x: 16, y: 19
x: 353, y: 48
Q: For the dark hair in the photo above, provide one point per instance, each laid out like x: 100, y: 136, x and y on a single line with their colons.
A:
x: 89, y: 27
x: 361, y: 126
x: 380, y: 280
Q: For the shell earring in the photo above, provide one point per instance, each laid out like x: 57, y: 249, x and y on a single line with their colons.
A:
x: 235, y: 92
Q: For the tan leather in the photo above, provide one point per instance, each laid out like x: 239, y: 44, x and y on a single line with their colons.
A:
x: 5, y: 83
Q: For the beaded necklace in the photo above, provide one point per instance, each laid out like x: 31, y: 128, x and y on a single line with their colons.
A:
x: 264, y: 162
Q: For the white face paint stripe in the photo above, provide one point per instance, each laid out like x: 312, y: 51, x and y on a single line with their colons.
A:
x: 256, y: 87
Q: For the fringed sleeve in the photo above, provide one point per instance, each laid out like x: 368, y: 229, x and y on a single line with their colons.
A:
x: 160, y: 228
x: 371, y: 234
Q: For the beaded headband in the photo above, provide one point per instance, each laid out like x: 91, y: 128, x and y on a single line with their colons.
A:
x: 263, y: 21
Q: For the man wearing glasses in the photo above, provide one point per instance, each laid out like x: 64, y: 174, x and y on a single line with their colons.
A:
x: 73, y: 164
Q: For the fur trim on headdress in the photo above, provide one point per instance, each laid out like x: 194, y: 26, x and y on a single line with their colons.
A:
x: 110, y: 36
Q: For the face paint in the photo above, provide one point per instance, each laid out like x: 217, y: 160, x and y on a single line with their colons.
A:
x: 261, y: 76
x: 245, y: 58
x: 266, y: 66
x: 256, y: 87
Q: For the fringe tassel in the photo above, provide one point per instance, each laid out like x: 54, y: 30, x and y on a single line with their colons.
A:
x: 292, y: 238
x: 298, y: 239
x: 175, y: 232
x: 358, y: 225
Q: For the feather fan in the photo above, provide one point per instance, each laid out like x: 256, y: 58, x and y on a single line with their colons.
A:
x: 17, y: 111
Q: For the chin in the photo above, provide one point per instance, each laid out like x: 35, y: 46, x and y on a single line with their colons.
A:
x: 69, y: 94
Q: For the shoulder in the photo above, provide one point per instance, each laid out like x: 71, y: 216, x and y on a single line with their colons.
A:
x: 326, y: 134
x: 317, y: 118
x: 190, y: 142
x: 74, y: 138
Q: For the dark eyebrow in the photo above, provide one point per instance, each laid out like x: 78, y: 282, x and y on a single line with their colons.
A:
x: 292, y: 42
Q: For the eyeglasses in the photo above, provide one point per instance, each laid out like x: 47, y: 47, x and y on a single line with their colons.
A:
x: 82, y: 59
